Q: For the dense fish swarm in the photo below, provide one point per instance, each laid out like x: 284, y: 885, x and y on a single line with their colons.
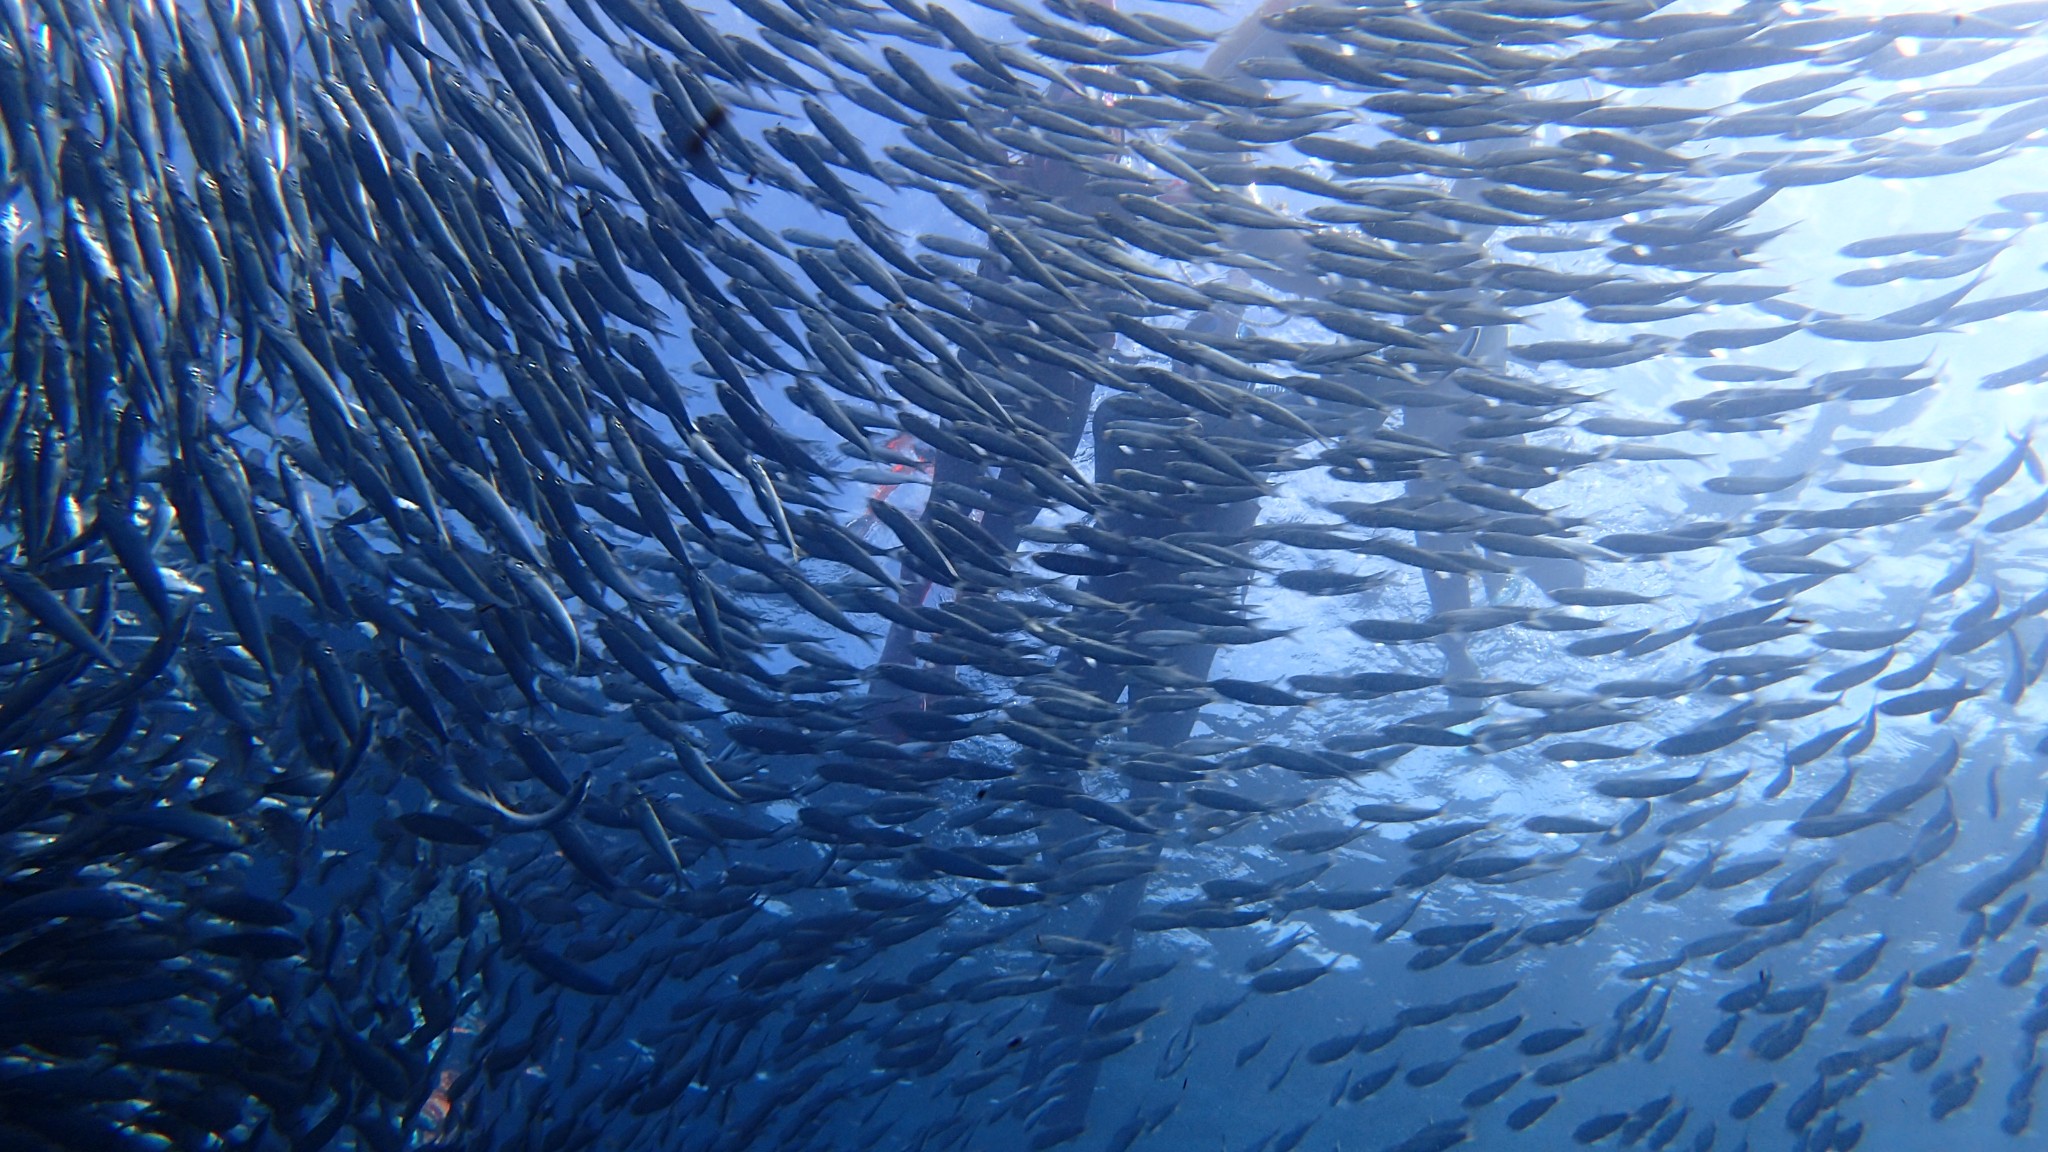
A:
x: 1371, y: 575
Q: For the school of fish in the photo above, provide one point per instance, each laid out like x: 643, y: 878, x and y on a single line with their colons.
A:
x: 1045, y: 574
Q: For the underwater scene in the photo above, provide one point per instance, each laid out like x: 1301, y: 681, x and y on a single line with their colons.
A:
x: 1002, y: 575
